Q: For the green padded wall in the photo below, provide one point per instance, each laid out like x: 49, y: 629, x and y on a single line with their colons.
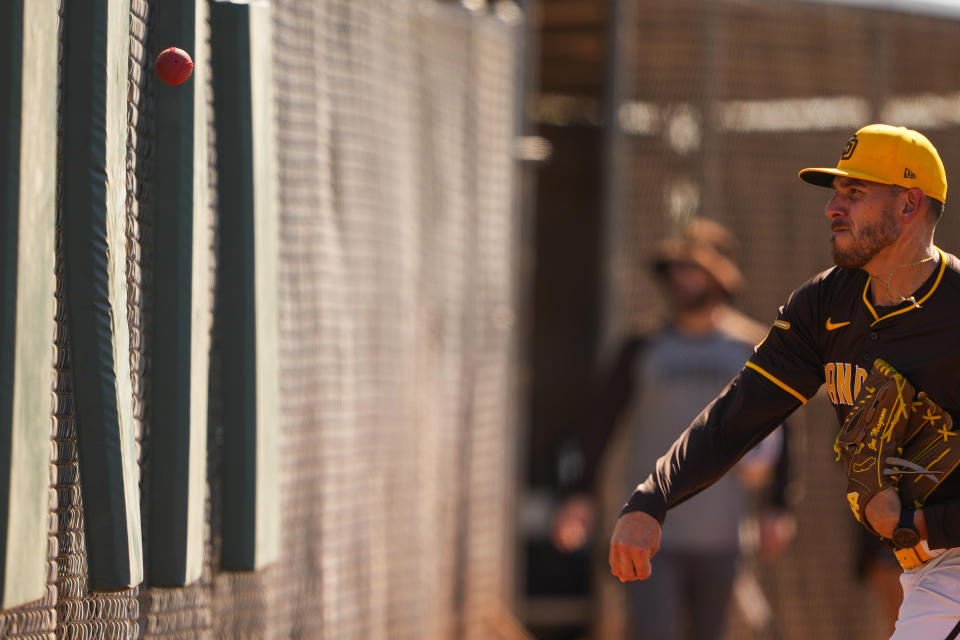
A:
x: 28, y: 169
x: 243, y: 102
x: 96, y: 40
x: 181, y: 334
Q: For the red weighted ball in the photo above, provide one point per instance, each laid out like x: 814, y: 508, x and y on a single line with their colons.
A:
x: 174, y: 66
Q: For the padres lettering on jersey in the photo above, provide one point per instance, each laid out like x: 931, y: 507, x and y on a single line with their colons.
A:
x: 827, y: 335
x: 842, y: 381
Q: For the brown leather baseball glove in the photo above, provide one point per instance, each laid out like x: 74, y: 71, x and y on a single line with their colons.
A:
x: 929, y: 457
x: 886, y: 416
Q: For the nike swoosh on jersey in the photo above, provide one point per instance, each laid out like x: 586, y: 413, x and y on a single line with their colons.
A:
x: 835, y: 325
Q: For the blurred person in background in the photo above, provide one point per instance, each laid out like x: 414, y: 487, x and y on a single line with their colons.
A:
x: 892, y: 295
x: 656, y: 386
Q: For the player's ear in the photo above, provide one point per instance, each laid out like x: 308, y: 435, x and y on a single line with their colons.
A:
x: 912, y: 204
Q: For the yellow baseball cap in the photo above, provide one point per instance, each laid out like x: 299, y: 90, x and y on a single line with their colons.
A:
x: 888, y: 155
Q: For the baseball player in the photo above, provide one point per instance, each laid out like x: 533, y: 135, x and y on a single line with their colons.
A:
x: 887, y: 312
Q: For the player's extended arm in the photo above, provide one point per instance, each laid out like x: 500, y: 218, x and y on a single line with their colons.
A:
x: 745, y: 412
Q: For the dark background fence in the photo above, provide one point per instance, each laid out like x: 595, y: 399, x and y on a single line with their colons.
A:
x: 661, y: 111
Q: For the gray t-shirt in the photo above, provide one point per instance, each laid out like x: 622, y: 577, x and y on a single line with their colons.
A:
x: 677, y: 376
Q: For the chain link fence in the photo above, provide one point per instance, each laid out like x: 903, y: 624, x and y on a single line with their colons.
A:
x: 398, y: 286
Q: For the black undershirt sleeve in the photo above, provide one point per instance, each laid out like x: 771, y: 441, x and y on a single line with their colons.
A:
x: 747, y: 410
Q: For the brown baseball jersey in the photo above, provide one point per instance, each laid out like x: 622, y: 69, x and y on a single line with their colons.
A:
x: 828, y: 333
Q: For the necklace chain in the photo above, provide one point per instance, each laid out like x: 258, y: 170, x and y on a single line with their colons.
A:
x: 890, y: 288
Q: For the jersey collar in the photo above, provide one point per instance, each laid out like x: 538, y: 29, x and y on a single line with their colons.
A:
x: 908, y: 306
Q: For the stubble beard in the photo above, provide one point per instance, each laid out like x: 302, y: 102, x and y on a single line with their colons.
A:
x: 870, y: 239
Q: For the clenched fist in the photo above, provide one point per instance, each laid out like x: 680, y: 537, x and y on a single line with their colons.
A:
x: 635, y: 539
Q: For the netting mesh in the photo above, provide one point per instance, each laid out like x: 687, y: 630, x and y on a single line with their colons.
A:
x: 382, y: 256
x: 721, y: 104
